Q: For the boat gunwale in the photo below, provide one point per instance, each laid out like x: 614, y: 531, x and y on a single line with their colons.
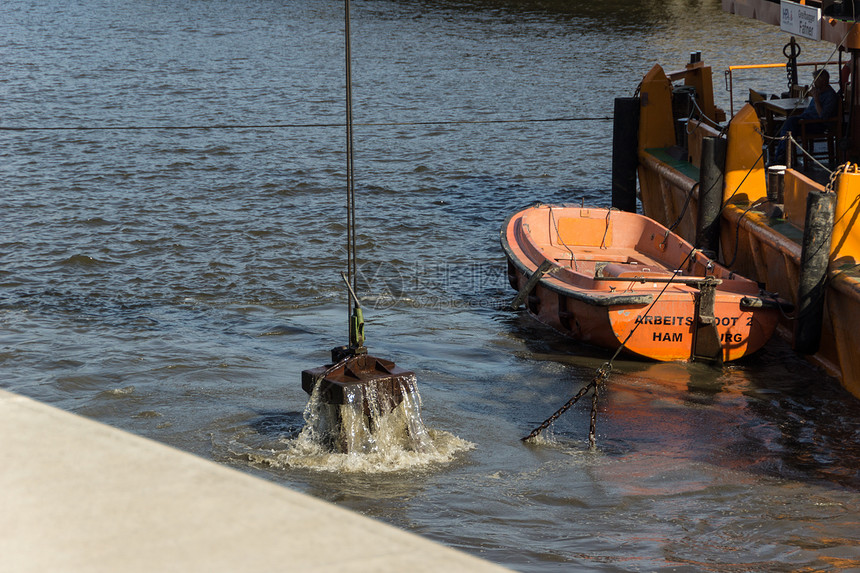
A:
x: 610, y: 299
x: 557, y: 285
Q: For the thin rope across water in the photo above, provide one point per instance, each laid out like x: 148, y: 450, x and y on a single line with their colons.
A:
x: 313, y: 125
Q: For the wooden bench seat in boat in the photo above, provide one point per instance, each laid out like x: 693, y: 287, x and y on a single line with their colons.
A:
x: 631, y: 270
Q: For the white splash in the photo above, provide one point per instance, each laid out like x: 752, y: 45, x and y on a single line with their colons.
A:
x: 388, y: 439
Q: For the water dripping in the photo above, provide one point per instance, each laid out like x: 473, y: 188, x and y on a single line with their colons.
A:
x: 373, y: 429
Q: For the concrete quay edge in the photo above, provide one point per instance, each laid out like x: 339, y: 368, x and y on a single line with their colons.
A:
x: 80, y: 496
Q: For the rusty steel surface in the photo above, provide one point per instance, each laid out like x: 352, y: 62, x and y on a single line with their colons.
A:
x: 360, y: 369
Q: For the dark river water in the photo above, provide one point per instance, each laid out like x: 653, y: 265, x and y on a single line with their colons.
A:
x: 174, y: 282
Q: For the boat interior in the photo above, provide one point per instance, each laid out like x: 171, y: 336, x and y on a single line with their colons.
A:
x: 601, y: 244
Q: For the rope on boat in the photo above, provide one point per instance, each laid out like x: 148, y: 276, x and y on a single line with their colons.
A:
x: 701, y: 116
x: 684, y: 209
x: 828, y: 188
x: 606, y: 228
x: 602, y: 373
x: 755, y: 204
x: 560, y: 240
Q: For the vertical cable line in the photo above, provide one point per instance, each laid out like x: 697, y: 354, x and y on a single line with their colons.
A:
x: 350, y: 176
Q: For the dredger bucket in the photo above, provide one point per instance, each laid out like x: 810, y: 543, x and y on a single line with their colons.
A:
x: 357, y: 369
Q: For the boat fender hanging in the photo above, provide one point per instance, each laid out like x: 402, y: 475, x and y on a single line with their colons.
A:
x: 711, y: 195
x: 625, y: 153
x: 814, y: 262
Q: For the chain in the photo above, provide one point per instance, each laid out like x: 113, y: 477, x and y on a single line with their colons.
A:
x: 831, y: 184
x: 847, y: 167
x: 592, y: 427
x: 600, y: 376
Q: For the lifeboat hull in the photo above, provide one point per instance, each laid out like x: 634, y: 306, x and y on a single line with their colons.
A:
x: 619, y: 279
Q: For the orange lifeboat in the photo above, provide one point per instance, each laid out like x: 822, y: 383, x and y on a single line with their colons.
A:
x: 612, y: 278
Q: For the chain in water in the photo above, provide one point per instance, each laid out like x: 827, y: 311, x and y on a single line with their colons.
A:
x: 592, y: 427
x: 603, y: 372
x: 600, y: 377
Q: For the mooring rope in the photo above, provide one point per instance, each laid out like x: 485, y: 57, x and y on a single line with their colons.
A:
x: 755, y: 204
x: 602, y: 373
x: 687, y: 204
x: 760, y: 202
x: 702, y: 118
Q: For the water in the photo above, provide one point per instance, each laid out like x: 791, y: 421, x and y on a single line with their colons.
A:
x: 368, y: 433
x: 175, y: 283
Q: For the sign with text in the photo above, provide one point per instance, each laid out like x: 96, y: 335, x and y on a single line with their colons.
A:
x: 804, y: 21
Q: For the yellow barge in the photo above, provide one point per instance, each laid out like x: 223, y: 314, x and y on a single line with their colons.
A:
x: 706, y: 179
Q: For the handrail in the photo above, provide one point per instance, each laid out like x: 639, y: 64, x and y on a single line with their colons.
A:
x: 689, y: 281
x: 730, y: 81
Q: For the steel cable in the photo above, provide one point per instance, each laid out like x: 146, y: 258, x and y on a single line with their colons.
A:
x: 293, y: 125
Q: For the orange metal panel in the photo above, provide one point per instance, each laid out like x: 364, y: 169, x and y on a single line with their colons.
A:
x: 668, y: 328
x: 585, y: 232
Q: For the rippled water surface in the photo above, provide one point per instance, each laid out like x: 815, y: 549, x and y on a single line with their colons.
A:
x: 175, y: 282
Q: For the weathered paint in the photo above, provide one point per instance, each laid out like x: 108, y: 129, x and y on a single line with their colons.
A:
x: 768, y: 250
x: 795, y: 189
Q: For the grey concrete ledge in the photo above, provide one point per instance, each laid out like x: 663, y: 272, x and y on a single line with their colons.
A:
x: 80, y: 496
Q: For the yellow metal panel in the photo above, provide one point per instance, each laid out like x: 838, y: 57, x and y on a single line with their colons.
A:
x: 845, y: 246
x: 696, y: 131
x: 745, y: 173
x: 655, y: 117
x: 699, y: 76
x: 797, y: 186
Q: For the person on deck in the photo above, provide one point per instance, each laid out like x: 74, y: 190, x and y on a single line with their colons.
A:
x: 824, y: 105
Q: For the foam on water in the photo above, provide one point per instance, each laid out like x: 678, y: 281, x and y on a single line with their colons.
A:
x: 388, y: 439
